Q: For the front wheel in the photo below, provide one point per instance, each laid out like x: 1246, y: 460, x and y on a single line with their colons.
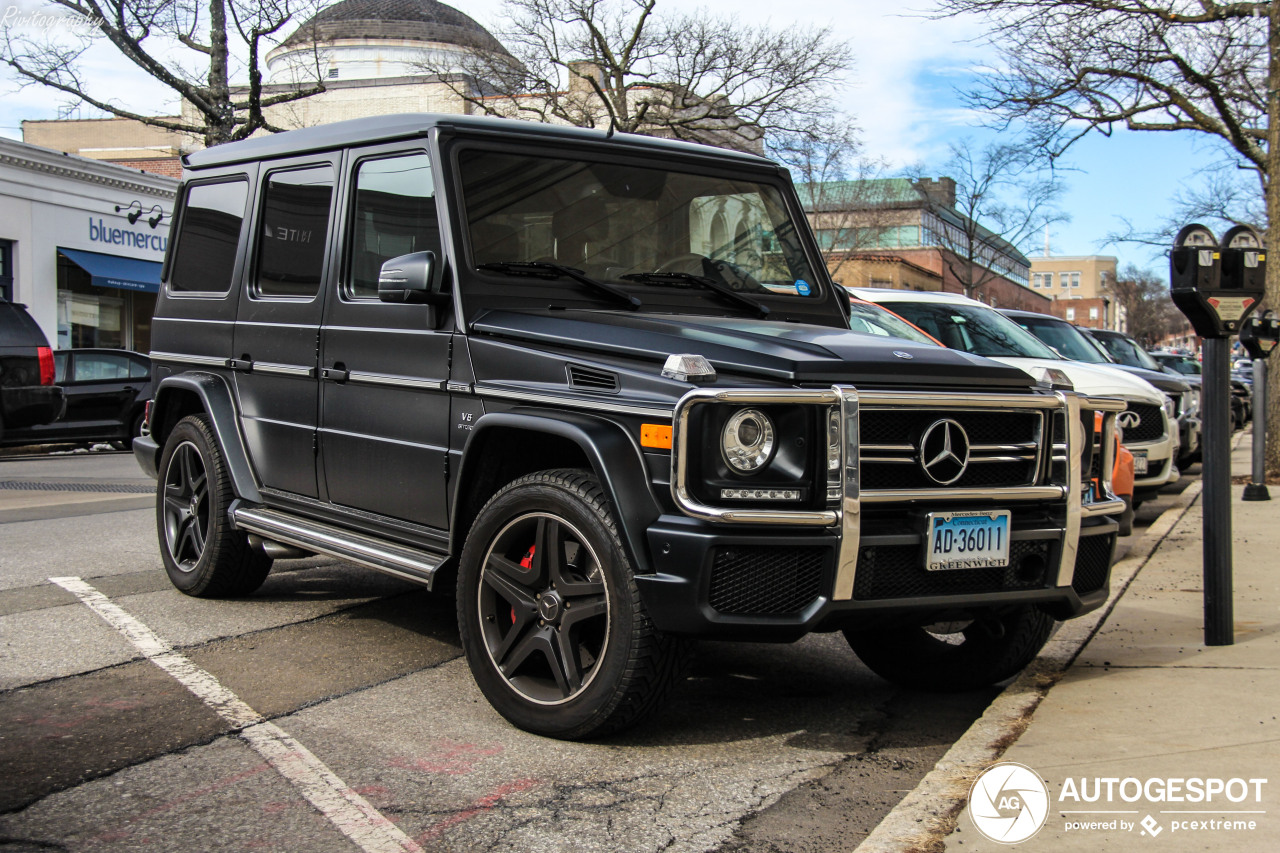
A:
x: 953, y: 656
x: 202, y: 553
x: 551, y: 621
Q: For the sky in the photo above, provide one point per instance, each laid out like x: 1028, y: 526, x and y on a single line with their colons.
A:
x: 903, y: 92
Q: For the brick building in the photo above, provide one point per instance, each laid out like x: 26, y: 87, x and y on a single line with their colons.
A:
x: 1082, y: 288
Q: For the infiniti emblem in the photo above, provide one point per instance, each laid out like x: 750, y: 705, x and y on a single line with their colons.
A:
x: 1129, y: 419
x: 900, y: 354
x: 944, y: 451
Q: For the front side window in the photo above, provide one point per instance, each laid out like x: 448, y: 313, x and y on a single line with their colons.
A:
x: 205, y: 253
x: 292, y: 233
x: 617, y: 222
x: 393, y: 214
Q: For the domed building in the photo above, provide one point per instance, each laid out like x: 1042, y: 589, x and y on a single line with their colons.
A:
x: 378, y: 39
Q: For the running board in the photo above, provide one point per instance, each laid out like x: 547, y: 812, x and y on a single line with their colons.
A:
x: 399, y: 560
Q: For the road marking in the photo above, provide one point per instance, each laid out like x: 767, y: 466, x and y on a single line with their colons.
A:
x: 347, y: 810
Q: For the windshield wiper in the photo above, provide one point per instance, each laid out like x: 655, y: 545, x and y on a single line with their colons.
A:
x: 539, y: 269
x: 760, y: 309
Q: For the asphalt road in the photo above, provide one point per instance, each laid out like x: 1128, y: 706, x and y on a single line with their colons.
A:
x: 795, y: 747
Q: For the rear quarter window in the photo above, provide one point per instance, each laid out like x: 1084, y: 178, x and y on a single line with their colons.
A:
x: 205, y: 254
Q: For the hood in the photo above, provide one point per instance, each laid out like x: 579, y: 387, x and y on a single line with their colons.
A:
x: 778, y: 350
x: 1095, y: 379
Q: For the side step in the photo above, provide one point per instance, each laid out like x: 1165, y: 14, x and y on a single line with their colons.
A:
x: 399, y: 560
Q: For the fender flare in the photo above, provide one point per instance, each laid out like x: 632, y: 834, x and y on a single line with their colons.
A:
x: 612, y: 452
x: 219, y: 404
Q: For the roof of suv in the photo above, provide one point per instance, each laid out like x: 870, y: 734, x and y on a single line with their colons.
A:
x: 18, y: 328
x: 363, y: 131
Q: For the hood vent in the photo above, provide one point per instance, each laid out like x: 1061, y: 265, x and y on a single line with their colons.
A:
x: 592, y: 378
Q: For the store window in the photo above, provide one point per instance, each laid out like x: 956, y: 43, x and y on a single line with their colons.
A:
x: 91, y: 316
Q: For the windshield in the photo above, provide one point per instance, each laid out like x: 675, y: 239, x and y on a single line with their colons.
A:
x: 1069, y: 341
x: 1185, y: 365
x: 870, y: 319
x: 972, y: 328
x: 611, y: 221
x: 1126, y: 351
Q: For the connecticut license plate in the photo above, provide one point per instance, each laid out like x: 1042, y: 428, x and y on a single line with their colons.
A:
x: 968, y: 540
x: 1139, y: 464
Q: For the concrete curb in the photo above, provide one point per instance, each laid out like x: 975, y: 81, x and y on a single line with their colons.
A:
x: 929, y: 813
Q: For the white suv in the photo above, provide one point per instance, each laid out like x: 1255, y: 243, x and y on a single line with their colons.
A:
x: 967, y: 324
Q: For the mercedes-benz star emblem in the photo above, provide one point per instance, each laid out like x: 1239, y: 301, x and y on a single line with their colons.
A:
x: 944, y: 451
x: 900, y: 354
x: 1129, y: 419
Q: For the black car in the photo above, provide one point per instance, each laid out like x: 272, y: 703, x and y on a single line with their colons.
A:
x: 106, y: 392
x: 602, y: 389
x: 1190, y: 369
x: 28, y: 394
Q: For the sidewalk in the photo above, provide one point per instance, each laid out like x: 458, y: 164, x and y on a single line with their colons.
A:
x: 1147, y: 700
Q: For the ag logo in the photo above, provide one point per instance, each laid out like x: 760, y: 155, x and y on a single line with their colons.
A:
x: 1008, y: 803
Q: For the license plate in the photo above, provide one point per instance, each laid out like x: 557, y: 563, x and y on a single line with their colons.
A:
x: 1139, y: 464
x: 968, y: 540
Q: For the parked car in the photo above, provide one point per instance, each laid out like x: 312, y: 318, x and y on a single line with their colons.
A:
x: 1190, y: 368
x: 28, y: 394
x: 601, y: 388
x: 106, y: 390
x: 963, y: 323
x: 1076, y: 343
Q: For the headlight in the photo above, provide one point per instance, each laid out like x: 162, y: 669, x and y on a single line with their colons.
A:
x: 1193, y: 400
x: 1170, y: 407
x: 747, y: 440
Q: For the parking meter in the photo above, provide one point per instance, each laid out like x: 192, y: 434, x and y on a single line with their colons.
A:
x: 1260, y: 335
x: 1217, y: 287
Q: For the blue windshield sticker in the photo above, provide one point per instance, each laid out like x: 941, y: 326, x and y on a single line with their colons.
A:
x: 802, y: 287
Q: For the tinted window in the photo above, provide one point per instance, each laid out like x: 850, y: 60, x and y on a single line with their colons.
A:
x: 1126, y: 351
x: 205, y: 255
x: 394, y: 214
x: 295, y: 222
x: 98, y: 367
x: 1069, y: 341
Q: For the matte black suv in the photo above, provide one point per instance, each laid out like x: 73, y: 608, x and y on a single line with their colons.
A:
x: 602, y: 387
x: 27, y: 393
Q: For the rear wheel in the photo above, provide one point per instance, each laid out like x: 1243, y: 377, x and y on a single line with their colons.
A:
x: 955, y: 656
x: 551, y: 621
x: 202, y: 553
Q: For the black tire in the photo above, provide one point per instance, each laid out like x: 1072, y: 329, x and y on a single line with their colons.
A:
x: 1126, y: 518
x: 547, y: 668
x: 983, y: 652
x: 202, y: 553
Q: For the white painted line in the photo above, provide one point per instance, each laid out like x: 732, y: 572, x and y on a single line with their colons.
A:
x: 347, y: 810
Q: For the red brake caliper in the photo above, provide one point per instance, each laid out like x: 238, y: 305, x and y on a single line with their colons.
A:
x: 526, y: 563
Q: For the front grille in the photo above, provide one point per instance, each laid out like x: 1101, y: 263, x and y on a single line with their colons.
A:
x: 765, y: 580
x: 890, y: 448
x: 1150, y: 428
x: 897, y: 571
x: 1093, y: 562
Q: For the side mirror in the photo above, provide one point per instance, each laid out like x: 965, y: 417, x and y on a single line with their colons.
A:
x: 408, y: 278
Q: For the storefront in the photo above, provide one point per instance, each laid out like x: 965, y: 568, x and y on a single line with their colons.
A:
x: 81, y: 243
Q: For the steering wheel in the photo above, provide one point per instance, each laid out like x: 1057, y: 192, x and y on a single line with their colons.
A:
x: 690, y: 262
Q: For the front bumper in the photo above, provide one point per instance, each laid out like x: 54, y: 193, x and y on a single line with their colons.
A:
x: 776, y: 574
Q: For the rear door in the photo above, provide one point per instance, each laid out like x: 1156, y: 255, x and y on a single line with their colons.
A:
x: 384, y: 403
x: 100, y: 388
x: 277, y: 329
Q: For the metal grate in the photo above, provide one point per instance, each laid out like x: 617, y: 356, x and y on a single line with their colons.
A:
x: 129, y: 488
x: 1150, y: 428
x: 887, y: 426
x: 897, y: 571
x: 591, y: 378
x: 908, y: 475
x: 759, y: 580
x: 1093, y: 562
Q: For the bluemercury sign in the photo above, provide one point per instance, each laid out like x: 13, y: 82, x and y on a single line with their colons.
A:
x: 101, y: 232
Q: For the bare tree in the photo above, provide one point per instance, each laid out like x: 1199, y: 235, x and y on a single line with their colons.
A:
x: 194, y: 50
x: 1150, y: 314
x: 996, y: 197
x: 623, y: 65
x: 1071, y: 67
x: 840, y: 185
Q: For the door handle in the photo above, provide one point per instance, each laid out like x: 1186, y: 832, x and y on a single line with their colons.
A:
x: 337, y: 373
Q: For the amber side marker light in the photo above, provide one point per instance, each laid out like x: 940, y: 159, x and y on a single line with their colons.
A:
x: 655, y: 435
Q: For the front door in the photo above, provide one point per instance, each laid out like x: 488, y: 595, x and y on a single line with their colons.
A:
x: 278, y: 322
x: 384, y: 404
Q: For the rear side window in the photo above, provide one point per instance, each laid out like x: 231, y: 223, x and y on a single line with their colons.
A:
x: 295, y: 223
x: 394, y: 214
x: 98, y: 367
x: 205, y: 255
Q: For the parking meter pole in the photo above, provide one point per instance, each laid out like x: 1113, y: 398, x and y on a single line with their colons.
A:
x: 1257, y: 490
x: 1219, y: 619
